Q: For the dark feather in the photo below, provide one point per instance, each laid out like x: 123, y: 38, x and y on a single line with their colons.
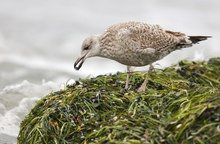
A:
x: 196, y: 39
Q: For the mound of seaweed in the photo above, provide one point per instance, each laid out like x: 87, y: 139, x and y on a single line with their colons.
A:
x: 181, y: 105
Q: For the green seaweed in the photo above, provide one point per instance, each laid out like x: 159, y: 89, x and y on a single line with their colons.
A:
x: 181, y: 105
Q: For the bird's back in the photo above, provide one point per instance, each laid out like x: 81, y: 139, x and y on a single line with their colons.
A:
x: 144, y: 35
x: 146, y: 43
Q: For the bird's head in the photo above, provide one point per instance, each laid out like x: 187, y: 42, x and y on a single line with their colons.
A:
x: 90, y: 48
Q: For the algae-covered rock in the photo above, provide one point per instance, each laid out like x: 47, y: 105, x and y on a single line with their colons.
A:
x: 181, y: 105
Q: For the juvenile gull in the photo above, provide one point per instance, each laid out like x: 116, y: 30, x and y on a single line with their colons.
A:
x: 135, y: 44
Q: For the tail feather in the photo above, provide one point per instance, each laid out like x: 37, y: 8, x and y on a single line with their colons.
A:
x: 190, y: 41
x: 196, y: 39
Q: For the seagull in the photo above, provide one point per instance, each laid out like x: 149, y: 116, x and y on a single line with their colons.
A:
x: 135, y: 44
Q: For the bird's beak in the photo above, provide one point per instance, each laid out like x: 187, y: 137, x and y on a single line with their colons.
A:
x: 79, y: 62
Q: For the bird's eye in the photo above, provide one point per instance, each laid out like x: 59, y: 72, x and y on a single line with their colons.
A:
x: 86, y: 48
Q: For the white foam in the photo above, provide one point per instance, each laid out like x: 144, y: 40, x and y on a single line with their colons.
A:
x: 2, y: 108
x: 17, y: 100
x: 10, y: 121
x: 199, y: 55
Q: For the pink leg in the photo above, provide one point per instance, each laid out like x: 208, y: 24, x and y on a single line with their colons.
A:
x: 142, y: 88
x: 128, y: 76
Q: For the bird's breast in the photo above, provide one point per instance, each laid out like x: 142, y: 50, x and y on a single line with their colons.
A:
x: 128, y: 57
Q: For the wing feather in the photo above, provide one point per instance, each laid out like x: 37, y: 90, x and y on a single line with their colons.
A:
x: 140, y: 36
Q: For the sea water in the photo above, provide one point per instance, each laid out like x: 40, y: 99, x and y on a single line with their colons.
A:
x: 40, y: 40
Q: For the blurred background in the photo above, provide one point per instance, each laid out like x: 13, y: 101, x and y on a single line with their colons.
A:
x: 41, y: 39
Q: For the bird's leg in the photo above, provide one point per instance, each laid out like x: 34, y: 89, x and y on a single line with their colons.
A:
x: 128, y: 76
x: 144, y: 84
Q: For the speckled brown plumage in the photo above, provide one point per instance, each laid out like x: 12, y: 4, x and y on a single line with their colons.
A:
x: 135, y: 44
x: 139, y: 44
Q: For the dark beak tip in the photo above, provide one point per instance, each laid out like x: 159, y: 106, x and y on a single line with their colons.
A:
x: 76, y: 68
x: 78, y: 63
